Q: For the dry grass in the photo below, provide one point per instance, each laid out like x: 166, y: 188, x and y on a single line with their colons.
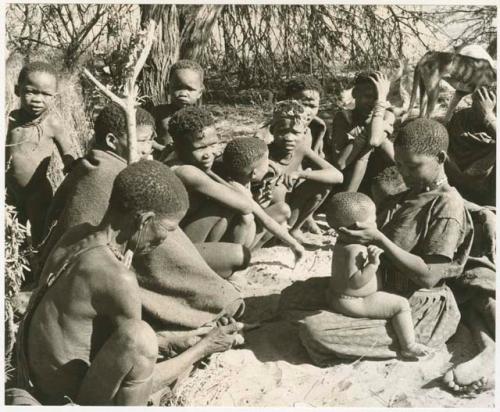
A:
x: 16, y: 265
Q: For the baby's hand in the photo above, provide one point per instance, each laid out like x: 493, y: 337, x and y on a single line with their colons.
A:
x: 374, y: 253
x: 290, y: 178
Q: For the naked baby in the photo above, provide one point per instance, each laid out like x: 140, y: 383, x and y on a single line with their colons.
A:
x: 354, y: 285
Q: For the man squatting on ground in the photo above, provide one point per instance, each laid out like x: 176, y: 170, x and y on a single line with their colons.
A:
x: 94, y: 348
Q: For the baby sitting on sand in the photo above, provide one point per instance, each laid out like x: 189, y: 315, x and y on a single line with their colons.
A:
x: 354, y: 284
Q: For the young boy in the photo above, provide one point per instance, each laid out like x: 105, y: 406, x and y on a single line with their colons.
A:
x: 356, y: 133
x: 354, y: 286
x: 307, y: 91
x: 33, y: 134
x: 217, y: 210
x: 83, y: 336
x: 302, y: 190
x: 246, y: 161
x: 185, y: 89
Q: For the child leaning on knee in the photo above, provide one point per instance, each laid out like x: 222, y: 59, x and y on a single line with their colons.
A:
x: 245, y: 161
x: 354, y: 284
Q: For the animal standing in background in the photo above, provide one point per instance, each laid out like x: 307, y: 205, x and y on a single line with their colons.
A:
x: 467, y: 70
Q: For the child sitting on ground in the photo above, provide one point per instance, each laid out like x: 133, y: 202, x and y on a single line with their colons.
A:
x: 246, y: 161
x: 356, y: 133
x: 307, y: 91
x: 185, y: 89
x: 33, y: 133
x: 218, y: 211
x: 302, y: 190
x: 354, y: 285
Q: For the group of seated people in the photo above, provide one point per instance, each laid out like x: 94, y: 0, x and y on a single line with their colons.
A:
x: 135, y: 258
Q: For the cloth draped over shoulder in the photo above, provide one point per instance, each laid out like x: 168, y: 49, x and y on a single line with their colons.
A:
x: 432, y: 223
x: 179, y: 290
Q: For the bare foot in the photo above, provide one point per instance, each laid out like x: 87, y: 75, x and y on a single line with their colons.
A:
x: 311, y: 226
x: 475, y: 375
x: 416, y: 350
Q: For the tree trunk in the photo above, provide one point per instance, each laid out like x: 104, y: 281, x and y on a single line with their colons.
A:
x: 196, y: 29
x: 183, y: 32
x: 164, y: 52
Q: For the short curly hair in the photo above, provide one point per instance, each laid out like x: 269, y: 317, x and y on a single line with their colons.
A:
x: 363, y: 78
x: 241, y: 154
x: 187, y: 64
x: 189, y: 121
x: 344, y: 209
x: 36, y: 67
x: 112, y: 119
x: 423, y: 136
x: 388, y: 182
x: 300, y: 83
x: 149, y: 186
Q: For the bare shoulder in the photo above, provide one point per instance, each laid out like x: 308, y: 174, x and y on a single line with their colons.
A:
x: 55, y: 125
x: 106, y: 274
x: 190, y: 174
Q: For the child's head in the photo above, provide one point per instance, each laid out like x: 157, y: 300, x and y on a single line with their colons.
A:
x: 307, y: 90
x: 246, y: 159
x: 364, y: 92
x: 153, y: 198
x: 420, y: 152
x: 388, y: 182
x: 186, y: 83
x: 110, y: 130
x: 36, y: 87
x: 289, y: 123
x: 345, y: 209
x: 195, y: 138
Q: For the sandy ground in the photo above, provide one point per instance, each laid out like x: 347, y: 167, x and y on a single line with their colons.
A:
x: 273, y: 369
